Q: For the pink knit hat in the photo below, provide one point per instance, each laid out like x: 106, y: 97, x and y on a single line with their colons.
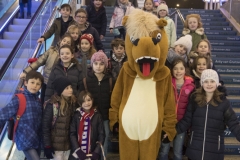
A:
x: 99, y: 56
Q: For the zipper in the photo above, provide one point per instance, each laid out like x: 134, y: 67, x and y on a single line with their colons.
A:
x: 191, y: 137
x: 204, y: 137
x: 218, y: 142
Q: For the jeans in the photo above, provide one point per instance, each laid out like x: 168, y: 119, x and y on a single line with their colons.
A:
x: 29, y: 7
x: 32, y: 154
x: 107, y: 130
x: 177, y: 148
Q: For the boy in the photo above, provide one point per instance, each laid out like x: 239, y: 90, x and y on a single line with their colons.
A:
x: 60, y: 25
x: 182, y: 47
x: 117, y: 57
x: 28, y: 132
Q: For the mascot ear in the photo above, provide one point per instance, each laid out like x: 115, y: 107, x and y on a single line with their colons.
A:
x: 124, y: 20
x: 161, y: 23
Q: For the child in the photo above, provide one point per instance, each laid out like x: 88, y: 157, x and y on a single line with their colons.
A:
x: 59, y: 26
x: 97, y: 17
x: 193, y: 26
x: 28, y: 133
x: 117, y: 57
x: 122, y: 8
x: 162, y: 12
x: 86, y: 51
x: 86, y: 28
x: 86, y: 120
x: 208, y: 112
x: 49, y: 59
x: 148, y: 6
x: 29, y: 8
x: 73, y: 30
x: 98, y: 83
x: 66, y: 66
x: 183, y: 86
x: 57, y: 116
x: 181, y: 48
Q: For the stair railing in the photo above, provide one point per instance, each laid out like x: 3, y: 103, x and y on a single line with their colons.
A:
x: 177, y: 13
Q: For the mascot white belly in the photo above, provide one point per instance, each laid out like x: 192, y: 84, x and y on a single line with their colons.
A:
x: 140, y: 115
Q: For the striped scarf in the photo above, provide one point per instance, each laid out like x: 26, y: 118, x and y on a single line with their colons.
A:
x: 84, y: 131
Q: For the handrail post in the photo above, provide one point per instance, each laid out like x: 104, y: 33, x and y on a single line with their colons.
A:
x: 206, y: 5
x: 176, y: 20
x: 230, y: 9
x: 211, y: 5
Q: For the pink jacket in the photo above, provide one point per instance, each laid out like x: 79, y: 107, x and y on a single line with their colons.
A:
x: 118, y: 15
x: 182, y: 98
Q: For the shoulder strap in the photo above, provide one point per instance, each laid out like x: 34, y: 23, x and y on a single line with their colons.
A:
x: 85, y: 83
x: 21, y: 110
x: 55, y: 113
x: 110, y: 84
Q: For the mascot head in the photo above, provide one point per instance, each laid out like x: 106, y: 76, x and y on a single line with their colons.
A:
x: 146, y: 42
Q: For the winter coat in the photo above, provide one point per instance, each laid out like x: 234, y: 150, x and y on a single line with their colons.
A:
x: 197, y: 36
x: 98, y: 19
x: 182, y: 98
x: 28, y: 133
x: 101, y: 93
x: 170, y: 29
x: 207, y: 131
x: 56, y: 28
x: 171, y: 56
x: 49, y: 59
x: 97, y: 132
x: 73, y: 73
x: 57, y: 135
x: 118, y: 15
x: 90, y: 30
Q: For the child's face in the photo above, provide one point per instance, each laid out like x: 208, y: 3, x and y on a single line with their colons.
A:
x: 65, y: 40
x: 65, y: 12
x: 81, y: 18
x: 203, y: 48
x: 97, y: 3
x: 85, y: 45
x: 118, y: 51
x: 87, y: 104
x: 148, y: 5
x: 179, y: 71
x: 66, y: 55
x: 33, y: 85
x: 180, y: 49
x: 192, y: 23
x: 201, y: 65
x: 209, y: 85
x: 68, y: 91
x: 74, y: 34
x: 162, y: 13
x: 98, y: 67
x: 123, y: 1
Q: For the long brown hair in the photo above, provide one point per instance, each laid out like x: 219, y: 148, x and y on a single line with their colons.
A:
x: 195, y: 62
x: 209, y: 46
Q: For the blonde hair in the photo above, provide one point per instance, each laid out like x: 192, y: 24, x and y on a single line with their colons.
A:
x: 197, y: 16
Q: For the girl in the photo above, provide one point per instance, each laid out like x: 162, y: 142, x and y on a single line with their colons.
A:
x: 86, y: 51
x: 98, y: 83
x: 183, y: 86
x: 193, y: 26
x: 86, y: 120
x: 148, y: 6
x: 73, y: 30
x: 56, y: 120
x: 162, y: 12
x: 66, y: 66
x: 97, y: 17
x: 49, y: 59
x: 86, y: 28
x: 208, y: 113
x: 122, y: 8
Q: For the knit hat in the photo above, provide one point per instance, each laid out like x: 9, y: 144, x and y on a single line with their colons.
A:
x: 186, y: 41
x: 88, y: 37
x: 59, y: 84
x: 99, y: 56
x: 162, y: 7
x: 209, y: 74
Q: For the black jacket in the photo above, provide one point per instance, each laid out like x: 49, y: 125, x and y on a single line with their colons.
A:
x: 207, y: 131
x: 98, y: 19
x: 97, y: 132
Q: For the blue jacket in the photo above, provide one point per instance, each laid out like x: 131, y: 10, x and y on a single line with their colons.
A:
x: 28, y: 132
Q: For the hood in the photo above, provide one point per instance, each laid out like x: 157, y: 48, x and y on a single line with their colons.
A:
x: 199, y: 31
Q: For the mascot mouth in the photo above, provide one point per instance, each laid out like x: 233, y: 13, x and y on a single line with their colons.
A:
x: 146, y: 64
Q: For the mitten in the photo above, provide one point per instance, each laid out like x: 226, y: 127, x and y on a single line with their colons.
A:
x: 81, y: 155
x: 94, y: 156
x: 164, y: 140
x: 31, y: 60
x: 48, y: 151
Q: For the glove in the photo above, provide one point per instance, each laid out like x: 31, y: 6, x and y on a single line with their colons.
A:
x: 31, y: 60
x: 94, y: 156
x: 164, y: 140
x: 81, y: 155
x: 48, y: 151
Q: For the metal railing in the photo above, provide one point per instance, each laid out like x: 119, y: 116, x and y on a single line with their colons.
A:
x: 177, y: 13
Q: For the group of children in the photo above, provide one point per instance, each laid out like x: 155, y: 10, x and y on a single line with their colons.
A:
x: 78, y: 79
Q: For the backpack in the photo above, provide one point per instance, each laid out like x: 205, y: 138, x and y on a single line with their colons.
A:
x: 12, y: 126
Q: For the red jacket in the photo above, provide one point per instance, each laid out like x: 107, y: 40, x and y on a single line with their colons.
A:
x: 182, y: 98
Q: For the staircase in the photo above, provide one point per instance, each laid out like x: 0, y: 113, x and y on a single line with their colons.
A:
x: 226, y: 57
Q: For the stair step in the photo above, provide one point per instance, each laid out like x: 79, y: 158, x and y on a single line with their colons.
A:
x: 16, y: 28
x: 12, y: 35
x: 223, y: 28
x: 17, y: 21
x: 7, y: 43
x: 231, y: 157
x: 227, y: 69
x: 233, y: 89
x: 224, y: 54
x: 4, y: 52
x: 230, y: 79
x: 224, y: 43
x: 226, y: 61
x: 226, y: 49
x: 216, y: 32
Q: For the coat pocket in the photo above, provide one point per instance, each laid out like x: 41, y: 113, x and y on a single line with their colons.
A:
x: 191, y: 137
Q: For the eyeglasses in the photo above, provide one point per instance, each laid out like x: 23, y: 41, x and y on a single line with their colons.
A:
x: 81, y: 17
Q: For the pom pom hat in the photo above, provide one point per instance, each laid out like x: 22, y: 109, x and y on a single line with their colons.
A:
x: 186, y: 41
x: 99, y: 56
x: 209, y: 74
x: 88, y: 37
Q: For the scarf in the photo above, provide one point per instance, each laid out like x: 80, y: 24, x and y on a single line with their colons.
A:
x: 84, y: 62
x: 123, y: 6
x: 118, y: 60
x: 84, y: 130
x: 172, y: 55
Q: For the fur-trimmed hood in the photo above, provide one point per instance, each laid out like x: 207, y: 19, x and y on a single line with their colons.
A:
x: 199, y: 31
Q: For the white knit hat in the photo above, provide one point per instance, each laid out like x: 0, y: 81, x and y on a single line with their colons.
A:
x: 162, y: 7
x: 186, y: 41
x: 209, y: 74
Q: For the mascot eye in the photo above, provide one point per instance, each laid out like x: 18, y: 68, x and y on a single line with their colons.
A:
x: 159, y: 36
x: 134, y: 41
x: 157, y: 39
